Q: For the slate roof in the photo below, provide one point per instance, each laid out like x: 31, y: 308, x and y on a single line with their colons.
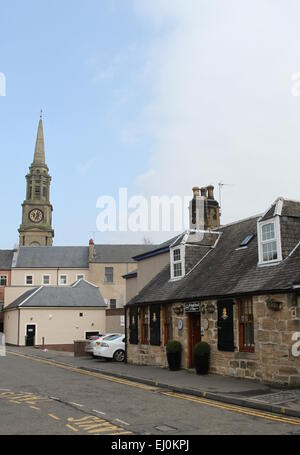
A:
x: 80, y: 295
x: 228, y: 270
x: 6, y: 257
x: 119, y: 253
x: 76, y: 257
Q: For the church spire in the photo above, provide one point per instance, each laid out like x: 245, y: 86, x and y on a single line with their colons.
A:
x: 39, y: 153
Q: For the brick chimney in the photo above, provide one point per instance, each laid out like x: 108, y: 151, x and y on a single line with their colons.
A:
x: 91, y: 250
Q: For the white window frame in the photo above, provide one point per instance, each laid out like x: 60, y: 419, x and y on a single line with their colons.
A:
x: 80, y: 275
x: 277, y: 239
x: 181, y: 261
x: 60, y: 277
x: 113, y: 275
x: 4, y: 276
x: 48, y: 284
x: 27, y: 276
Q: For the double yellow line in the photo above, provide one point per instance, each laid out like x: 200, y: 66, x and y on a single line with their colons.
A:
x: 234, y: 408
x: 191, y: 398
x: 88, y: 373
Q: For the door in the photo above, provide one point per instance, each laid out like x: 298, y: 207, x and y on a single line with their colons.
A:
x: 225, y: 326
x: 195, y: 334
x: 30, y: 335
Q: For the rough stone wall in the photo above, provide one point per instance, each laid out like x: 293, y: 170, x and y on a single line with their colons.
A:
x: 272, y: 362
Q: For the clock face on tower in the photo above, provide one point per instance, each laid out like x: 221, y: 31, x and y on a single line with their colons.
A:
x: 36, y: 216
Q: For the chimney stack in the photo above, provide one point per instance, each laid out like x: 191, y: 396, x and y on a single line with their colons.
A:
x: 204, y: 209
x: 91, y: 250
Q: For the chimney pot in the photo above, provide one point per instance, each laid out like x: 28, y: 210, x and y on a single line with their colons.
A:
x: 204, y: 192
x: 210, y: 190
x: 196, y: 191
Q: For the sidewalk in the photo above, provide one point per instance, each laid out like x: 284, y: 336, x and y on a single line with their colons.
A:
x: 235, y: 391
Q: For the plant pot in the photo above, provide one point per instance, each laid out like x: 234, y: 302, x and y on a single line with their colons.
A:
x: 202, y: 364
x: 174, y: 360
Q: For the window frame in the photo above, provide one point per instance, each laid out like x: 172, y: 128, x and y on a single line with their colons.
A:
x: 60, y: 277
x: 80, y: 276
x: 47, y: 284
x: 144, y: 325
x: 28, y: 284
x: 6, y: 280
x: 168, y: 334
x: 174, y: 262
x: 106, y: 281
x: 242, y: 346
x: 277, y: 238
x: 113, y: 300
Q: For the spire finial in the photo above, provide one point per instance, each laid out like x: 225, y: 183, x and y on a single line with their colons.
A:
x: 41, y: 113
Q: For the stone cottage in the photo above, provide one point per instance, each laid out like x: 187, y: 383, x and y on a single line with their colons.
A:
x: 236, y: 287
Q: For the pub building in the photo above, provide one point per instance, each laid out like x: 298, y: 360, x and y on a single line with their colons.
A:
x: 236, y: 286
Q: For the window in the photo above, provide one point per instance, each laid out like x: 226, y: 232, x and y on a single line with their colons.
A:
x: 37, y: 191
x: 247, y: 240
x: 81, y: 315
x: 63, y: 280
x: 28, y: 280
x: 168, y: 332
x: 46, y: 280
x: 246, y: 325
x: 3, y: 280
x: 80, y: 277
x: 113, y: 304
x: 269, y: 241
x: 144, y: 317
x: 177, y: 263
x: 176, y: 255
x: 109, y: 275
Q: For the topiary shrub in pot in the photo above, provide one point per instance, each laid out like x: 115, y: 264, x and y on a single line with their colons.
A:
x: 202, y: 357
x: 174, y: 355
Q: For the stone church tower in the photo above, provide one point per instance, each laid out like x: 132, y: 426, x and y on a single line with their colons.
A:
x: 36, y: 228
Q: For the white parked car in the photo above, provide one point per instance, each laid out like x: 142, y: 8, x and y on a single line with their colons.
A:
x: 93, y: 341
x: 111, y: 347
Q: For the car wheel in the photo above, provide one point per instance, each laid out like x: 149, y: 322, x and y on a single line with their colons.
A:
x: 119, y: 356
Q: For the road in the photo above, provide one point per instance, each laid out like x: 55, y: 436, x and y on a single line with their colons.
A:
x: 40, y: 397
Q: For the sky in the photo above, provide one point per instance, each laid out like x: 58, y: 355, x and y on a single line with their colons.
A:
x: 153, y: 96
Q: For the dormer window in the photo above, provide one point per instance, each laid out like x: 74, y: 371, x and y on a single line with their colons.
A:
x: 177, y: 262
x: 269, y: 241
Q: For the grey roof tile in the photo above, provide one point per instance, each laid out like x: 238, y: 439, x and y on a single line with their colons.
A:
x: 118, y: 253
x: 53, y: 257
x: 6, y: 257
x: 80, y: 295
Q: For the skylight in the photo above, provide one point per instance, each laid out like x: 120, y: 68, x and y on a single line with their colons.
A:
x: 247, y: 240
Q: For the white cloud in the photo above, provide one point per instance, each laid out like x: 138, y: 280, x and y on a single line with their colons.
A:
x: 221, y: 107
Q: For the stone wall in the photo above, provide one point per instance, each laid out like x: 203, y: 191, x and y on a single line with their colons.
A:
x: 272, y: 362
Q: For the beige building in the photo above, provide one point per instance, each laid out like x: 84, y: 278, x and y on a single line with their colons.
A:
x: 53, y: 316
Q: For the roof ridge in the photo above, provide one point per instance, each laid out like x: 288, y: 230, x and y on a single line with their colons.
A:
x: 31, y: 295
x: 238, y: 221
